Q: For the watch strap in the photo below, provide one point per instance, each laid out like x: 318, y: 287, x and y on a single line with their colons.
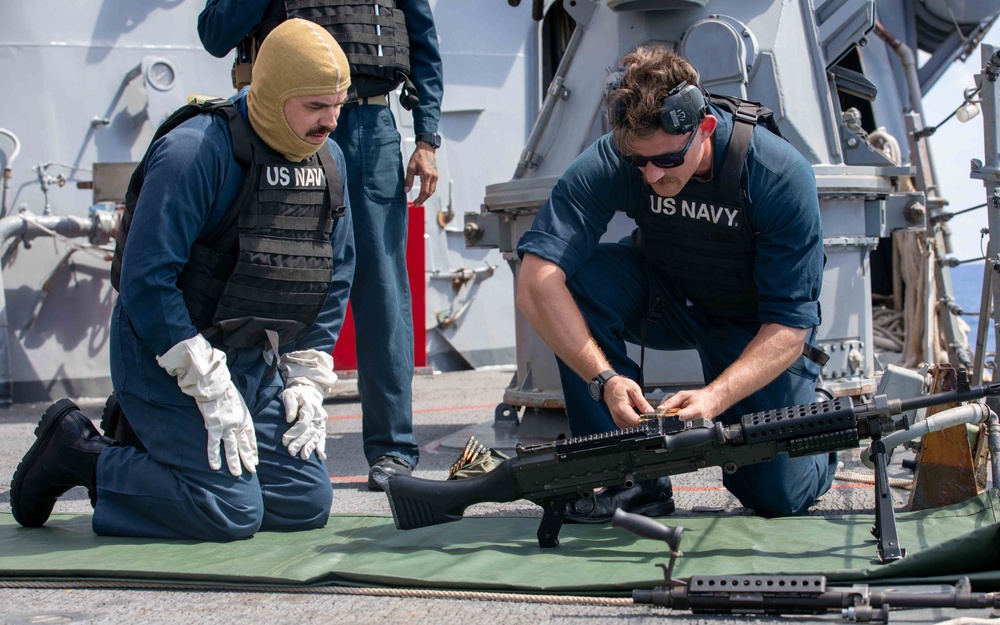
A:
x: 431, y: 138
x: 606, y: 375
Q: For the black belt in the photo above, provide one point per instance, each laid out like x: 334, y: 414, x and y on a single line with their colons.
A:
x: 372, y: 100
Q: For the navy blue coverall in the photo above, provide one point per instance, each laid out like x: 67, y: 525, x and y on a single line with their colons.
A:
x: 191, y: 181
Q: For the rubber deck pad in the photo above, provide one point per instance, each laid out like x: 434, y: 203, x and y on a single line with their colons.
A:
x: 491, y: 553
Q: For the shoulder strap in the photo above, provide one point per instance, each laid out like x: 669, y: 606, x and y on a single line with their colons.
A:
x: 239, y: 130
x: 243, y: 150
x: 188, y: 111
x: 746, y: 115
x: 744, y: 121
x: 333, y: 184
x: 764, y: 115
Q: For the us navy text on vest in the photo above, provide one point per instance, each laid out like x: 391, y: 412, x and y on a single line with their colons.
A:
x: 292, y: 177
x: 728, y: 216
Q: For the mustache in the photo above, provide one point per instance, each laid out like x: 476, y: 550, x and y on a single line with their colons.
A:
x: 663, y: 180
x: 320, y: 130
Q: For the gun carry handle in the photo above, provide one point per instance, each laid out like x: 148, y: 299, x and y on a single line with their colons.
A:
x: 417, y: 502
x: 648, y: 528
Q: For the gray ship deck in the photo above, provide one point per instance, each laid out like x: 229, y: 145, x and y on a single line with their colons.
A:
x: 444, y: 404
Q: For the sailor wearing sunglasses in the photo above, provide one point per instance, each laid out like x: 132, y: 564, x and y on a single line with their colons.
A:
x: 726, y: 259
x: 663, y: 157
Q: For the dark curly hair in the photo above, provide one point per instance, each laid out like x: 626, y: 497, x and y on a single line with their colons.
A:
x: 650, y: 72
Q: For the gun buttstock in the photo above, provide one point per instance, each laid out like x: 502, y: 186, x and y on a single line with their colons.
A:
x: 417, y: 502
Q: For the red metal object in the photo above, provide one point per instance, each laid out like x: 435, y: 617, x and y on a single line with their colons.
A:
x: 415, y: 261
x: 345, y: 353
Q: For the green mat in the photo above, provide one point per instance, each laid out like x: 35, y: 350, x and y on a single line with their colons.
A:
x: 502, y: 554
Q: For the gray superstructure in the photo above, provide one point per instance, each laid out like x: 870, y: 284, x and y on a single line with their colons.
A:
x: 843, y: 81
x: 85, y: 84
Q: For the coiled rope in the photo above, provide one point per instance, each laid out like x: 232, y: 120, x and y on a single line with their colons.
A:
x: 407, y: 593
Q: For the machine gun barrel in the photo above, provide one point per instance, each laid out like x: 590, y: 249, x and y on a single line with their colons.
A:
x: 556, y: 473
x: 805, y: 594
x: 969, y: 393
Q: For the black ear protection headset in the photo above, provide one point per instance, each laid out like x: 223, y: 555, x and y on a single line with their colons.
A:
x: 682, y: 110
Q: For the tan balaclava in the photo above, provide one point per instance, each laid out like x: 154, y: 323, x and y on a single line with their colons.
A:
x: 298, y: 58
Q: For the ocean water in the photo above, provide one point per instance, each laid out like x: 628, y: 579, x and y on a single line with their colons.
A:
x: 967, y: 280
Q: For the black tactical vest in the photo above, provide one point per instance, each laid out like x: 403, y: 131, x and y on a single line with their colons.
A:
x: 372, y: 34
x: 263, y: 276
x: 701, y: 240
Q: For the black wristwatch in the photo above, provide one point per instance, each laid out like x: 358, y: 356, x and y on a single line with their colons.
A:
x: 596, y: 386
x: 432, y: 138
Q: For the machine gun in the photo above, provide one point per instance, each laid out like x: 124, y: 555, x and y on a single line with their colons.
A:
x: 557, y: 473
x: 806, y: 594
x: 784, y: 594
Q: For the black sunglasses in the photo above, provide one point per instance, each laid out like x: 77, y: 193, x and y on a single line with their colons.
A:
x: 663, y: 161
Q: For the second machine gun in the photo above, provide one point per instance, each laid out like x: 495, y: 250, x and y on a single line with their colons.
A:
x: 557, y: 473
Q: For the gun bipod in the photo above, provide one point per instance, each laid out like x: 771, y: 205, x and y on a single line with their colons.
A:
x: 884, y: 529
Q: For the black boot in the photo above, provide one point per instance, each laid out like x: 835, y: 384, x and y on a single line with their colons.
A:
x: 385, y: 467
x: 650, y: 497
x: 115, y: 425
x: 64, y: 455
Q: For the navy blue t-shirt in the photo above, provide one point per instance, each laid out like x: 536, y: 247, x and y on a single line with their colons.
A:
x: 782, y: 208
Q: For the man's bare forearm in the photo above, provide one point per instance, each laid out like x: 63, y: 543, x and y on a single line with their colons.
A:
x: 548, y: 305
x: 545, y: 300
x: 772, y: 350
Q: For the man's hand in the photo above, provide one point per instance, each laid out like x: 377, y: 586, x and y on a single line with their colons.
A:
x: 548, y: 305
x: 202, y: 373
x: 693, y: 404
x: 624, y: 397
x: 304, y: 406
x: 308, y: 377
x: 423, y: 163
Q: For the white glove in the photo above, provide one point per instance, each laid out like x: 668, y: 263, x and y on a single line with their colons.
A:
x: 308, y: 377
x: 202, y: 373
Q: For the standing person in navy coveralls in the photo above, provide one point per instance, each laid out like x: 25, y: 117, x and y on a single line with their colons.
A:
x: 727, y: 259
x: 388, y: 43
x: 221, y: 348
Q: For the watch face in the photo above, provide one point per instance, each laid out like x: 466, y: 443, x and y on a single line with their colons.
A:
x: 596, y: 390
